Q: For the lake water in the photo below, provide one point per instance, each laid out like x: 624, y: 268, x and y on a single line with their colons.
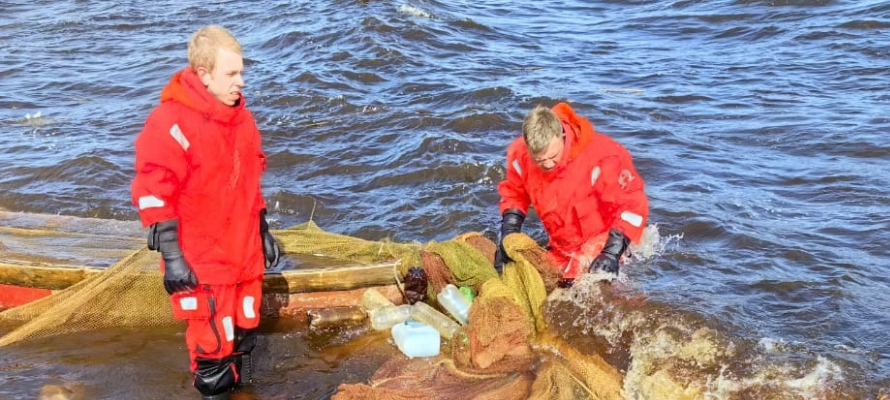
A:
x: 760, y: 126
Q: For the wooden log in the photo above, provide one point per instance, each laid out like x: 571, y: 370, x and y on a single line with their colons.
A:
x: 326, y: 279
x: 289, y: 281
x: 38, y: 277
x: 54, y: 252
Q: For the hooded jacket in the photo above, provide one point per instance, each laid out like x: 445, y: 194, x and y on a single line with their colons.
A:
x: 593, y: 188
x: 200, y: 161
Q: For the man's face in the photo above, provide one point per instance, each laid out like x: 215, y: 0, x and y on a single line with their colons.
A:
x: 225, y: 81
x: 550, y: 156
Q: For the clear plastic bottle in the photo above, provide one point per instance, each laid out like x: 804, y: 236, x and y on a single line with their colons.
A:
x: 423, y: 312
x: 385, y: 318
x: 455, y: 303
x: 372, y: 300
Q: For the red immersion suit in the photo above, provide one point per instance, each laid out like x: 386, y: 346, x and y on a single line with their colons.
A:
x: 593, y: 188
x: 200, y: 161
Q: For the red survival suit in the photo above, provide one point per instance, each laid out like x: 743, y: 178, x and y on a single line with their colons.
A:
x: 593, y: 188
x: 200, y: 161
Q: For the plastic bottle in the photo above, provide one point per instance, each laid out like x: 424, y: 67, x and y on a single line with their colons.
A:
x: 416, y: 339
x: 455, y: 303
x: 385, y: 318
x: 468, y: 293
x: 424, y: 313
x: 372, y: 300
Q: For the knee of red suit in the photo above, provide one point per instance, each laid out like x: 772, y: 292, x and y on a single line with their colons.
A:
x: 221, y: 319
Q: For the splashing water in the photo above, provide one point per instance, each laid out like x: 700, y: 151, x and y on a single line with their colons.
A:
x: 670, y: 354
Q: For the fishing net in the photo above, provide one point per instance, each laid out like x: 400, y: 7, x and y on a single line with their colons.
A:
x: 504, y: 352
x: 512, y: 348
x: 493, y: 357
x: 130, y: 293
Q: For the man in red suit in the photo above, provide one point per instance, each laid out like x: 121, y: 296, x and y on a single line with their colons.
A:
x: 197, y: 186
x: 582, y: 184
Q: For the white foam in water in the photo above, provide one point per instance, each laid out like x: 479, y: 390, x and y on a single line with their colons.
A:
x: 771, y: 345
x: 595, y: 319
x: 810, y: 386
x: 651, y: 244
x: 37, y: 119
x: 411, y: 10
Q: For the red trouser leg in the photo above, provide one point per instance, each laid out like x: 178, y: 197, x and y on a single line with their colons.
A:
x: 247, y: 320
x: 216, y: 314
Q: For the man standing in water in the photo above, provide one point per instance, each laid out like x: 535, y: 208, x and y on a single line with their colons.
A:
x: 582, y: 184
x: 197, y: 186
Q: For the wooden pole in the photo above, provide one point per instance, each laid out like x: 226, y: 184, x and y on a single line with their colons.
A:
x: 290, y: 281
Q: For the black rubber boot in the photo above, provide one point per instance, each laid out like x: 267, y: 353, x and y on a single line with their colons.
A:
x: 214, y: 378
x: 221, y: 396
x: 243, y: 367
x: 245, y: 340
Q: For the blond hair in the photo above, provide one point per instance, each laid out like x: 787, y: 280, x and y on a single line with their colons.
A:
x: 540, y: 126
x: 206, y: 43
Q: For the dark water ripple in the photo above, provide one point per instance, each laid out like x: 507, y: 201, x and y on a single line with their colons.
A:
x: 759, y: 125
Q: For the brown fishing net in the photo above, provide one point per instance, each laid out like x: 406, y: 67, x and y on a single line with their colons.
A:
x: 130, y: 292
x: 503, y: 352
x: 491, y: 358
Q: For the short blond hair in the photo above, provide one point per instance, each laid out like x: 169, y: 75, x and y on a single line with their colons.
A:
x: 540, y: 126
x: 205, y: 44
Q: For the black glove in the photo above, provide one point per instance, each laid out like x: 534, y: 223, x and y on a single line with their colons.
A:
x: 178, y: 275
x: 510, y: 223
x: 615, y: 246
x: 270, y: 247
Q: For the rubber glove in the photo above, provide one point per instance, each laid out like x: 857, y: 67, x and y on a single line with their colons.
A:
x: 511, y: 222
x: 178, y: 275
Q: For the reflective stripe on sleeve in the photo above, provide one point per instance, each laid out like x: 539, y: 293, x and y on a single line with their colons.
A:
x: 594, y: 175
x: 632, y: 218
x: 517, y: 167
x: 150, y: 201
x: 179, y: 137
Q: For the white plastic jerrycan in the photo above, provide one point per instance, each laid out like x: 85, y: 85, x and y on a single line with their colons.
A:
x: 416, y: 339
x: 455, y: 303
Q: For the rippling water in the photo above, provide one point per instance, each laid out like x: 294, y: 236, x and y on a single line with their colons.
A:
x: 760, y: 127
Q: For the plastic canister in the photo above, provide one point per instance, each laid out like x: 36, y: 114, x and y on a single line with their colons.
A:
x: 385, y: 318
x: 423, y: 312
x: 416, y: 339
x: 455, y: 303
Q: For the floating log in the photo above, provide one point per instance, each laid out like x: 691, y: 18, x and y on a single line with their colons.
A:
x: 40, y: 277
x: 328, y: 279
x: 290, y: 281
